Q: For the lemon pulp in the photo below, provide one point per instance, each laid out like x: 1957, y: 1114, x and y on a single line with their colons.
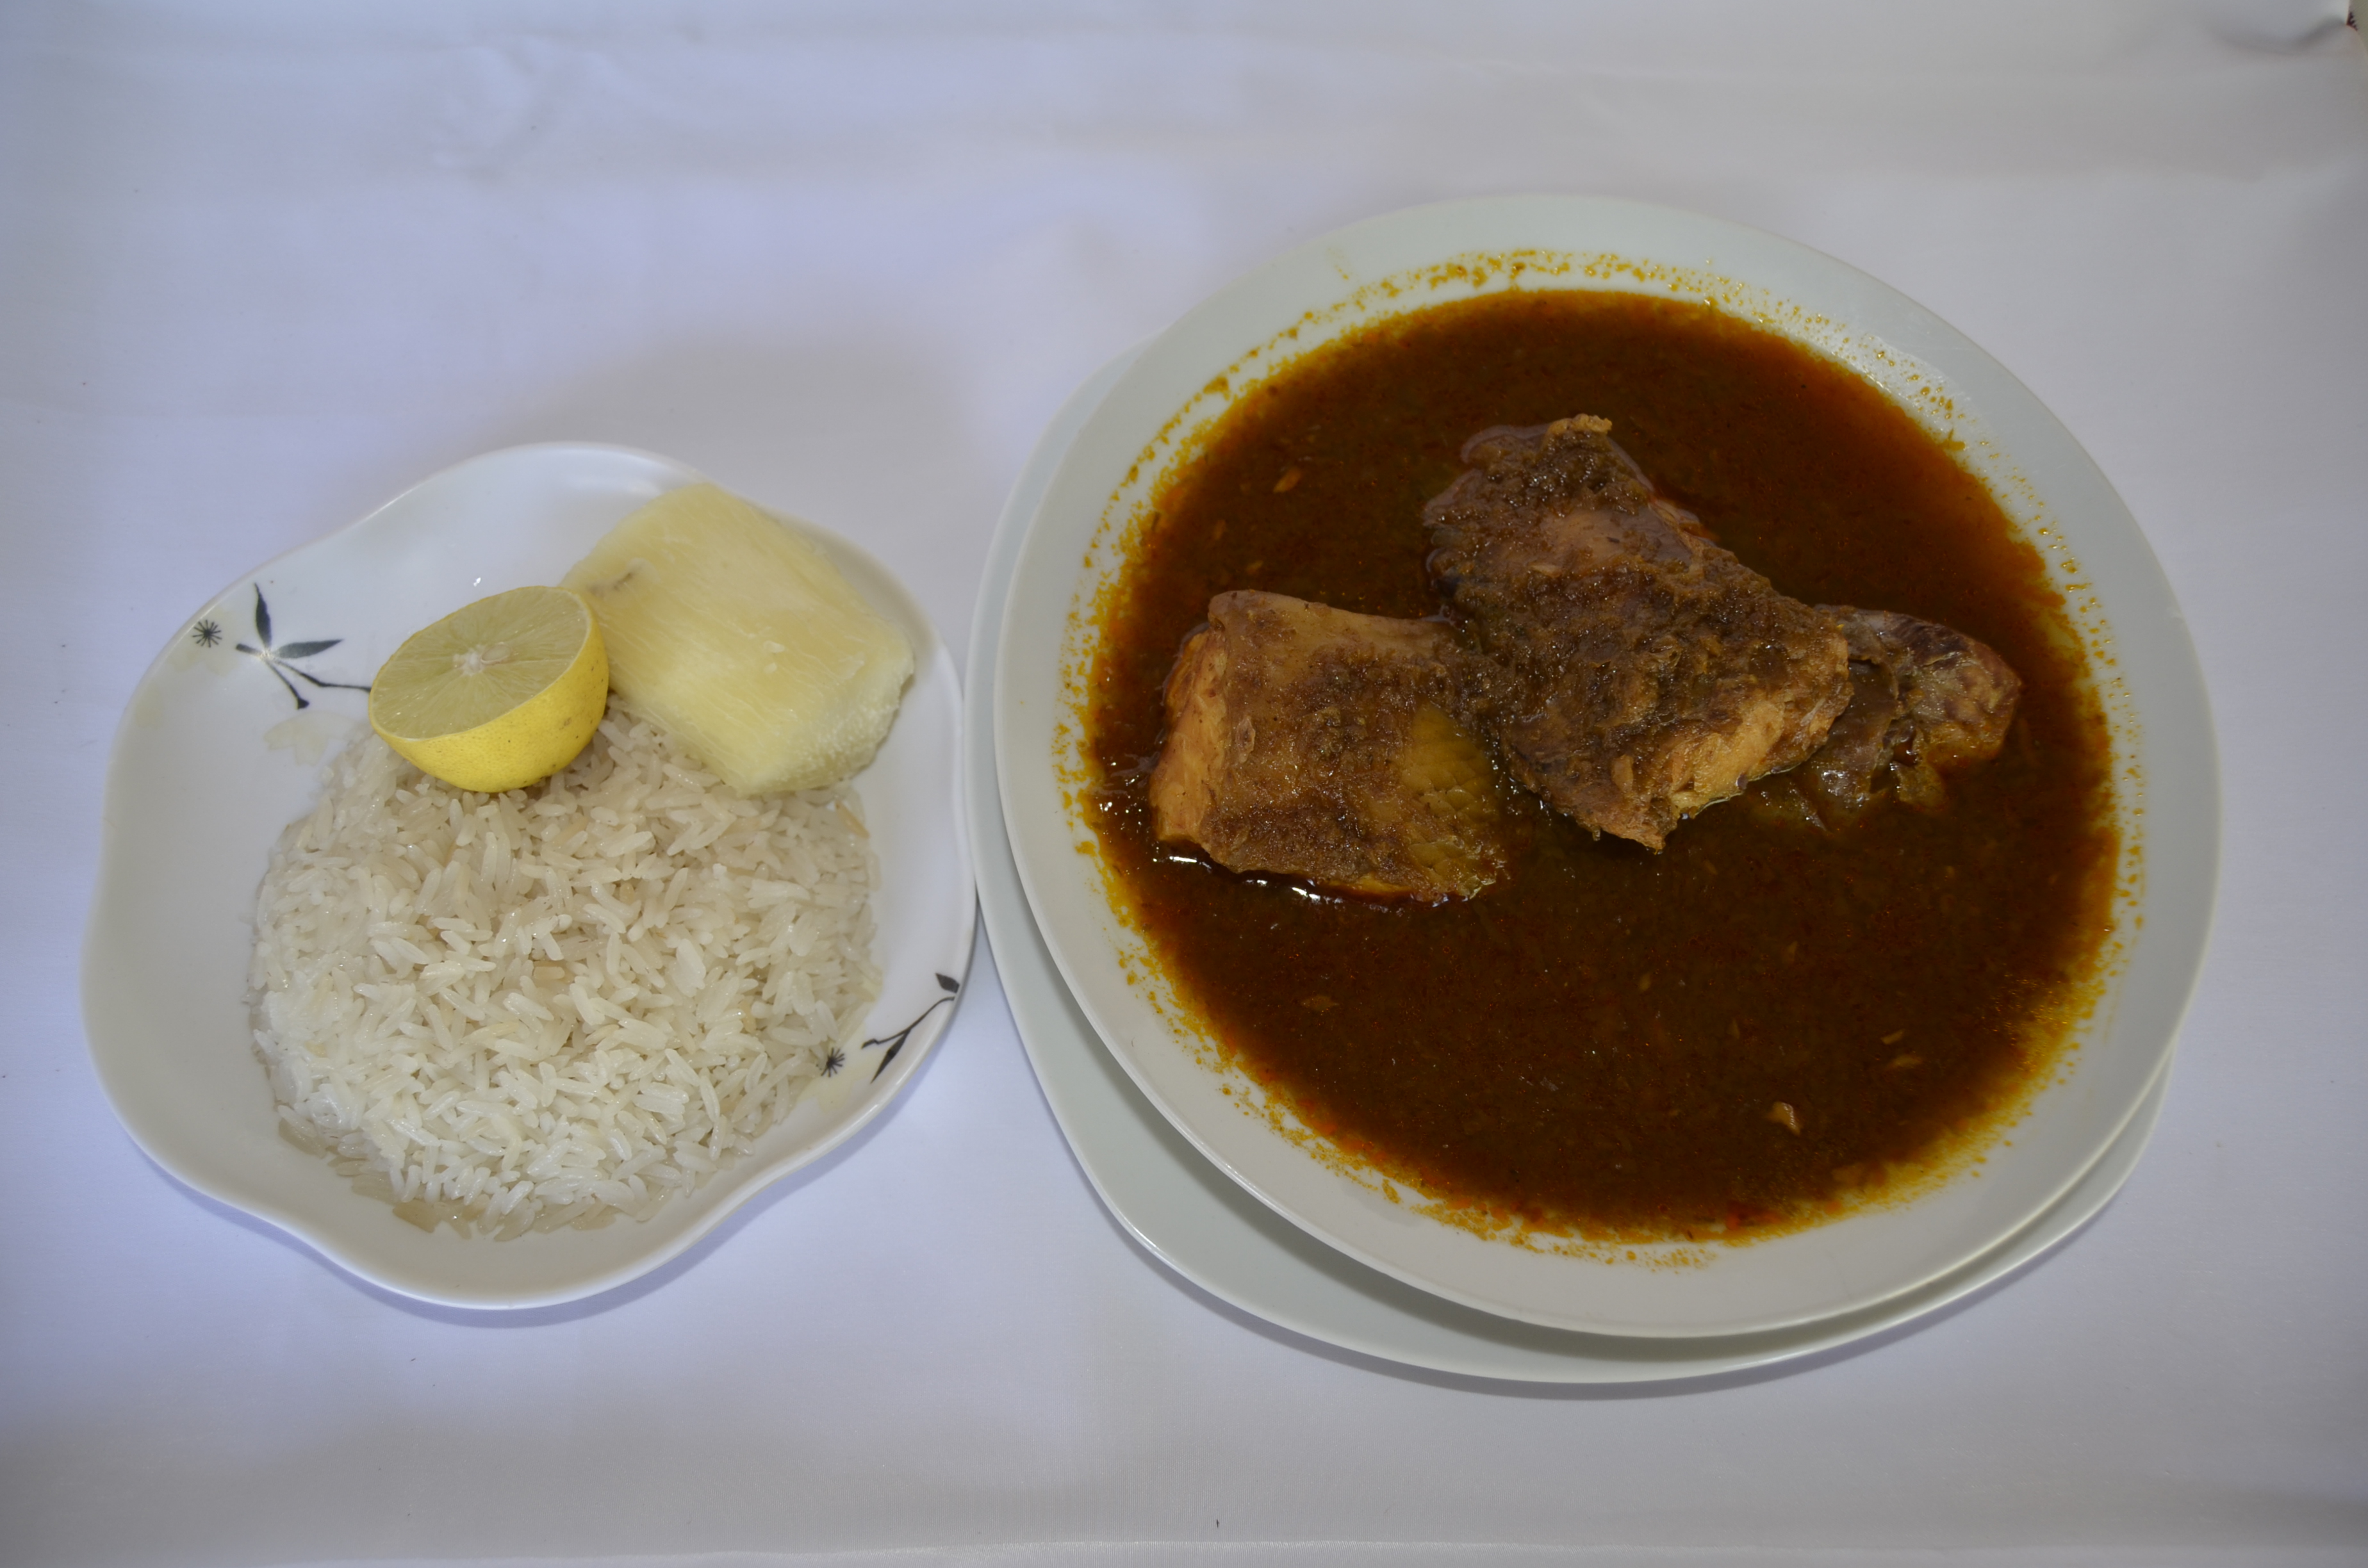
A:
x: 498, y: 694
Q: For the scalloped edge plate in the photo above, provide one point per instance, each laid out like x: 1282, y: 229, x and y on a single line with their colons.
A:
x: 215, y: 756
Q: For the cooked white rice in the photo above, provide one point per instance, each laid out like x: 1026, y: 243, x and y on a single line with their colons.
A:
x: 554, y: 1006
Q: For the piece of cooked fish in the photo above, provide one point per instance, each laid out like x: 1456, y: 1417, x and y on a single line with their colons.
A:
x: 1644, y: 672
x: 1925, y: 700
x: 1317, y: 743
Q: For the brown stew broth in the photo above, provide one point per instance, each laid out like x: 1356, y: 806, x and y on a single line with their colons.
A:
x: 1597, y: 1042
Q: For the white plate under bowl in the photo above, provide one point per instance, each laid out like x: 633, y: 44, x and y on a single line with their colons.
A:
x: 1207, y: 1229
x: 2151, y: 690
x: 215, y: 757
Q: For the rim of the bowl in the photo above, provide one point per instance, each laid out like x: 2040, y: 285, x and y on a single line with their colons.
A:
x: 1913, y: 354
x: 705, y: 1211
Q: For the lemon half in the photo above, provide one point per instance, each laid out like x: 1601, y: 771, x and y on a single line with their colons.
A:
x: 499, y: 693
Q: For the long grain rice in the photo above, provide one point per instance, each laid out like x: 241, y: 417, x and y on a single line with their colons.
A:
x: 560, y: 1003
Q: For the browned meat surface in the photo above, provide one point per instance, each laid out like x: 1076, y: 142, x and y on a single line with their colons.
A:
x: 1315, y: 743
x: 1925, y: 700
x: 1643, y: 672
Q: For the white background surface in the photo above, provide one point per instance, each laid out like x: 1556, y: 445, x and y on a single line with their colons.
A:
x: 264, y: 267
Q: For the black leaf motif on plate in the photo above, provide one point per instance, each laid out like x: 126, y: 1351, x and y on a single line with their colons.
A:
x: 277, y: 659
x: 895, y: 1042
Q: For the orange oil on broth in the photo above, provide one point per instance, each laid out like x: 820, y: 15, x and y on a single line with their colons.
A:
x: 1597, y: 1045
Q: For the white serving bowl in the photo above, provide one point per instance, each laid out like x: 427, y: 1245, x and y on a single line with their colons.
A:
x: 2151, y: 689
x: 214, y: 758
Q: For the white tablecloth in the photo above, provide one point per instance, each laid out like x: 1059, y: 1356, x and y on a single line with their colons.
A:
x: 263, y: 266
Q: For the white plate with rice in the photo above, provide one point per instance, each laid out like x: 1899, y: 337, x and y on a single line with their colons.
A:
x: 583, y: 1034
